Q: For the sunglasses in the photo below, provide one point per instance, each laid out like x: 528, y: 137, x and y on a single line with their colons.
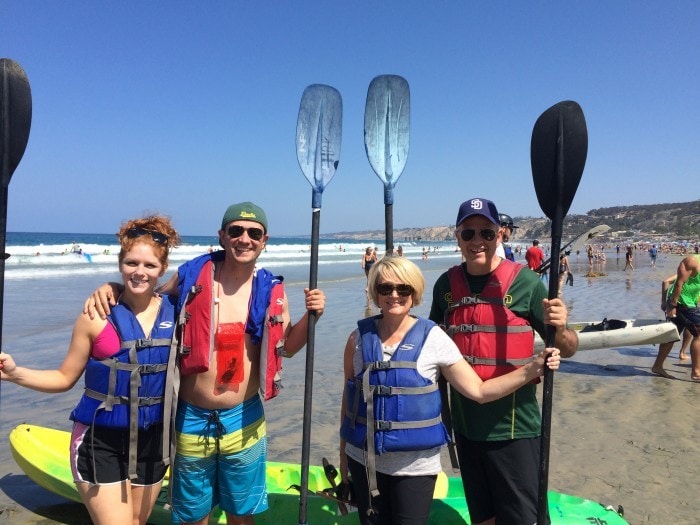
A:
x: 468, y: 234
x: 235, y: 231
x: 403, y: 290
x: 133, y: 233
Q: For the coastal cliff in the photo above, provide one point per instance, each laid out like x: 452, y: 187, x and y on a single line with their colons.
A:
x: 671, y: 222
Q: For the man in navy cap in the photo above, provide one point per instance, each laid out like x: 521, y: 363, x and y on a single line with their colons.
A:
x: 490, y: 307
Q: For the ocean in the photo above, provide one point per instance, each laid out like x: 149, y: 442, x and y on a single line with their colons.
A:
x: 49, y: 255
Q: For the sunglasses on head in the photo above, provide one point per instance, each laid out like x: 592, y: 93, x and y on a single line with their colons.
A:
x: 468, y: 234
x: 133, y: 233
x: 235, y: 231
x: 403, y: 290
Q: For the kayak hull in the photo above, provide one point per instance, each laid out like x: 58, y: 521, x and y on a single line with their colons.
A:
x: 634, y: 332
x: 42, y: 453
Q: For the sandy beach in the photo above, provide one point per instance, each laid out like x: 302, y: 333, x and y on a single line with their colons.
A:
x: 620, y: 434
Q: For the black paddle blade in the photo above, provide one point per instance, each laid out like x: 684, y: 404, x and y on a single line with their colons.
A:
x: 558, y: 155
x: 387, y: 121
x: 319, y: 130
x: 15, y: 116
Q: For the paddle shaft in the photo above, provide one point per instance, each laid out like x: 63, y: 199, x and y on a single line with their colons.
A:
x: 309, y: 376
x: 3, y: 240
x: 5, y: 181
x: 389, y: 227
x: 548, y: 380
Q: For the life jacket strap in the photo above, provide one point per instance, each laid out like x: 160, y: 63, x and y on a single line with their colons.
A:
x: 471, y: 300
x: 384, y: 390
x: 123, y: 400
x: 490, y: 361
x: 471, y: 328
x: 387, y: 365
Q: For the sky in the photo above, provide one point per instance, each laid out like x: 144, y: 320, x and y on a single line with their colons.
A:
x: 184, y: 107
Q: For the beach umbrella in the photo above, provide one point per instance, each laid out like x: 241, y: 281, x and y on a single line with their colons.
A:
x: 387, y: 115
x: 558, y: 151
x: 15, y: 121
x: 319, y: 129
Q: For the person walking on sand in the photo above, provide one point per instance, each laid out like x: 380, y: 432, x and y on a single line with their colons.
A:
x: 237, y: 319
x: 665, y: 348
x: 629, y: 256
x: 397, y: 479
x: 653, y: 251
x: 490, y: 307
x: 683, y: 304
x: 564, y: 271
x: 118, y: 470
x: 367, y: 261
x: 534, y: 256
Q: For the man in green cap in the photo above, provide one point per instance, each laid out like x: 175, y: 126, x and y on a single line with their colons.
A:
x: 234, y: 328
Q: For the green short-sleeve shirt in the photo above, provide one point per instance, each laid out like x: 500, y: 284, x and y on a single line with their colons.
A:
x: 516, y: 415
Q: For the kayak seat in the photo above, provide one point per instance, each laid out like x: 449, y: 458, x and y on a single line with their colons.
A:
x: 606, y: 324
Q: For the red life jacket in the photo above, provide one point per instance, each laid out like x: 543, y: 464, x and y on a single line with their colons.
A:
x: 197, y: 331
x: 489, y: 335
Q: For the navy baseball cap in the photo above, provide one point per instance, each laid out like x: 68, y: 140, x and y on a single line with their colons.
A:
x: 478, y: 207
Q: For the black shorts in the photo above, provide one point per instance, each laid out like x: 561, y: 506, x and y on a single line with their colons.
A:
x: 501, y: 479
x: 105, y: 452
x: 689, y: 318
x: 402, y: 500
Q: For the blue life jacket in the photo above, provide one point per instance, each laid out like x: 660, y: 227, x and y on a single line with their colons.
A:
x: 389, y: 404
x: 404, y: 407
x: 136, y: 387
x: 509, y: 252
x: 130, y: 385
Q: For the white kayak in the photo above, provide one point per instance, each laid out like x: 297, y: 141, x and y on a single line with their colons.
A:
x: 614, y: 333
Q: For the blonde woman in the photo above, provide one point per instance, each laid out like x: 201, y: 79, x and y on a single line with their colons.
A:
x: 392, y: 362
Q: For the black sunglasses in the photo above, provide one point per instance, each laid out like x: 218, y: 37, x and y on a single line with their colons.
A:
x: 133, y: 233
x: 468, y: 234
x: 403, y: 290
x: 235, y: 231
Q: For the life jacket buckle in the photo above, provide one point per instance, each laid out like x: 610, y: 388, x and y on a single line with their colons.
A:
x: 382, y: 425
x: 381, y: 365
x: 467, y: 328
x: 144, y: 343
x: 382, y: 390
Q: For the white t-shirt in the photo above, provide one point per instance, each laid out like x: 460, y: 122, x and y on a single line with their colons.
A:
x: 501, y: 251
x: 439, y: 350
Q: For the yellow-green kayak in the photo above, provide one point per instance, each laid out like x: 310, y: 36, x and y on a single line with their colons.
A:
x: 42, y: 453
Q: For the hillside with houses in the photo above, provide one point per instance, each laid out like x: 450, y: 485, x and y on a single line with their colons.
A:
x: 644, y: 222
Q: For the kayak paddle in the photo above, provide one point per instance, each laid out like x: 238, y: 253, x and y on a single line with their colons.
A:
x: 558, y: 152
x: 15, y: 121
x: 319, y: 128
x: 386, y: 138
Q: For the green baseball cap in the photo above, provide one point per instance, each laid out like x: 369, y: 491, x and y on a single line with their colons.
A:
x: 245, y: 211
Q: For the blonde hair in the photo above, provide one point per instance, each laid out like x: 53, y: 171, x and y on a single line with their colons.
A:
x: 152, y: 223
x: 392, y: 268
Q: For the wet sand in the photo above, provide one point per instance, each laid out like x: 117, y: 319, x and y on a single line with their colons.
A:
x: 620, y: 434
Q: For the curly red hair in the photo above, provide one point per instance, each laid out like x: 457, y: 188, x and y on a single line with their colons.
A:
x: 152, y: 223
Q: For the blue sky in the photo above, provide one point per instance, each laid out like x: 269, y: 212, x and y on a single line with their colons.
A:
x: 187, y: 107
